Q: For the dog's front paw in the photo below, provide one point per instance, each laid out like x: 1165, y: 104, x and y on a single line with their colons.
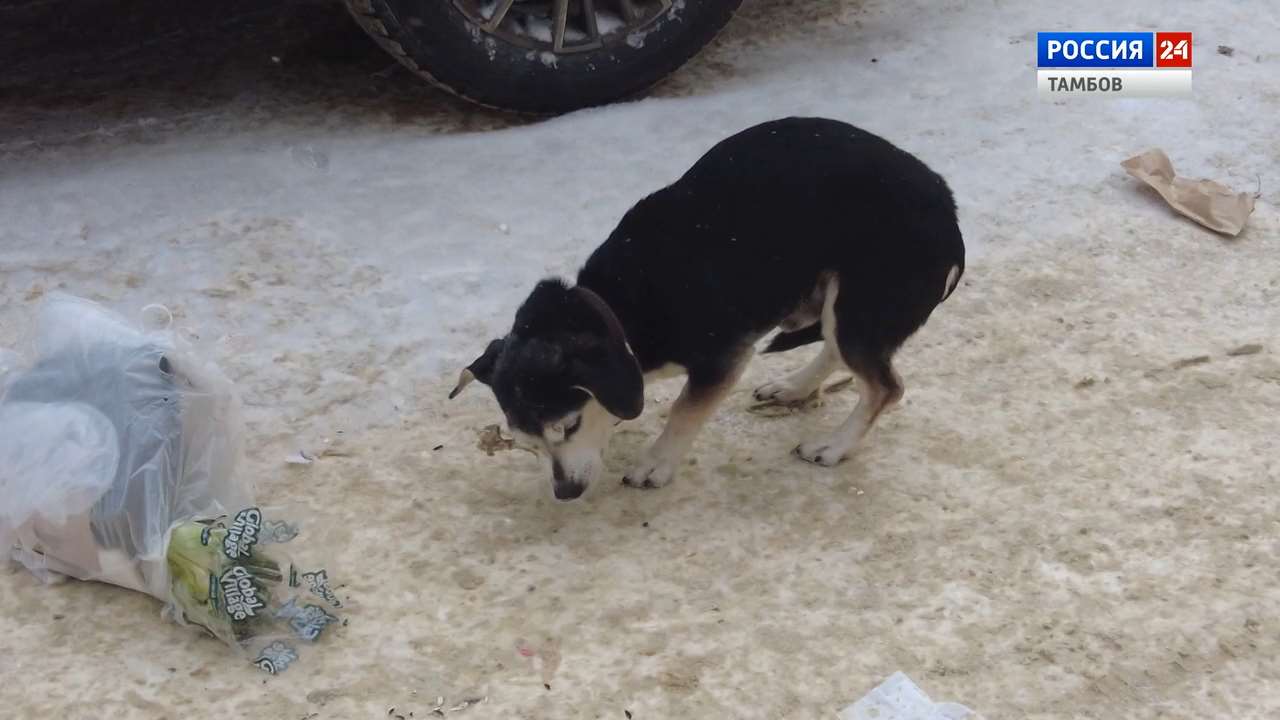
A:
x: 823, y: 452
x: 650, y: 473
x: 782, y: 391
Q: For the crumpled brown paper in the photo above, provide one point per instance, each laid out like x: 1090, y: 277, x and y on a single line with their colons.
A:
x: 1211, y: 204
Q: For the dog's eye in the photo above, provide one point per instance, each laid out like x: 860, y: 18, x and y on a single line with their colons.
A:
x: 573, y: 427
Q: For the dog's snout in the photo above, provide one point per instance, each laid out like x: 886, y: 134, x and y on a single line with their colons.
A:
x: 566, y: 488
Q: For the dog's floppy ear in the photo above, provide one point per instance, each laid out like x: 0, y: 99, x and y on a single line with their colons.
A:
x: 617, y: 384
x: 481, y: 369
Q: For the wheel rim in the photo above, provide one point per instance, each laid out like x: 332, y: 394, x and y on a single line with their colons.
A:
x: 563, y: 26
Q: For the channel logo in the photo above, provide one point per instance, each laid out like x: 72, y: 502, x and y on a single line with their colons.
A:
x: 1113, y: 64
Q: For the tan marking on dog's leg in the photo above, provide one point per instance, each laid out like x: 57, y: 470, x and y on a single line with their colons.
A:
x: 688, y: 414
x: 832, y: 449
x: 874, y: 398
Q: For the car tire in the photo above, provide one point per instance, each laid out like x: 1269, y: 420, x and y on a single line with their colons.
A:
x: 440, y: 41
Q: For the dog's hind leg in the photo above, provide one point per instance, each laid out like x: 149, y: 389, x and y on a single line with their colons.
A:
x: 880, y: 388
x: 807, y: 380
x: 804, y: 382
x: 861, y: 340
x: 703, y: 392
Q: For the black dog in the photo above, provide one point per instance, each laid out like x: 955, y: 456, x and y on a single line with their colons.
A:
x: 810, y: 225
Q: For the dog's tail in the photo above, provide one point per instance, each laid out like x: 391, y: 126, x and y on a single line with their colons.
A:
x: 785, y: 341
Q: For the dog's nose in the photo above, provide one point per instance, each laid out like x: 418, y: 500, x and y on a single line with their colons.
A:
x: 569, y: 490
x: 565, y: 489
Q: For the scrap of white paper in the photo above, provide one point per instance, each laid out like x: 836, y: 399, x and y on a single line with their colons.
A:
x: 900, y: 699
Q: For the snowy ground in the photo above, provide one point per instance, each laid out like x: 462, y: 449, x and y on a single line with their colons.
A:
x: 1065, y: 518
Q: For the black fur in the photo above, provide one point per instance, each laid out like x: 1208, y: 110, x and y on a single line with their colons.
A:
x: 699, y: 271
x: 785, y: 341
x: 722, y: 256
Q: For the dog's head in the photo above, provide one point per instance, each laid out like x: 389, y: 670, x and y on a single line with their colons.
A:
x: 564, y: 376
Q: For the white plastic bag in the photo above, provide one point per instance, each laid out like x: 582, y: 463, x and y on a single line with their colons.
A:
x: 118, y: 451
x: 125, y: 435
x: 56, y: 461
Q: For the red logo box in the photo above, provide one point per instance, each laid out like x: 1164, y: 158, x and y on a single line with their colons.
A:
x: 1173, y: 49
